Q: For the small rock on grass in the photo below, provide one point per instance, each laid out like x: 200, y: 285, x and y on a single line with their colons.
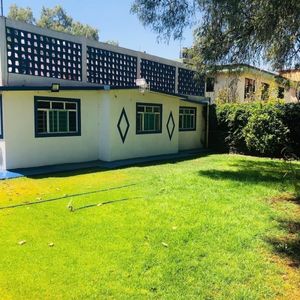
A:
x: 51, y: 244
x: 165, y: 244
x: 22, y: 243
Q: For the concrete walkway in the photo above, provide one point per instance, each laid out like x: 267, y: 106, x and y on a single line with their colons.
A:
x: 29, y: 172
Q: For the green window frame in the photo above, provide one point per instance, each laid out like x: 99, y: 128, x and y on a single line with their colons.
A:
x: 187, y: 118
x: 148, y: 118
x: 57, y: 117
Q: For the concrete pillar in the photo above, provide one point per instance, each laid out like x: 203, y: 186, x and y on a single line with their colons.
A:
x: 3, y: 53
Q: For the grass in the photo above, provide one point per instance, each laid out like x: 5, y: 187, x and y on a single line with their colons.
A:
x: 216, y: 227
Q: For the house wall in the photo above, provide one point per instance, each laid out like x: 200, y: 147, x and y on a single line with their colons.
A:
x: 23, y: 149
x: 139, y: 145
x: 2, y: 155
x: 100, y: 138
x: 291, y: 74
x: 193, y: 139
x: 224, y: 80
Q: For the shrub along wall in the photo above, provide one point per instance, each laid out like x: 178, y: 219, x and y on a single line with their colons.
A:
x: 261, y: 129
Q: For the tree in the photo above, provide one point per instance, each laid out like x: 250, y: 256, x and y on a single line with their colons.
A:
x: 21, y: 14
x: 54, y: 18
x: 229, y: 31
x: 113, y: 43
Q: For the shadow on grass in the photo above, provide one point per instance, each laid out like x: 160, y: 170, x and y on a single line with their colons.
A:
x: 52, y: 172
x: 249, y: 176
x: 251, y: 171
x: 289, y: 245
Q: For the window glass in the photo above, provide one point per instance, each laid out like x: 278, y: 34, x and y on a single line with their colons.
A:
x: 281, y: 92
x: 210, y: 84
x: 148, y: 118
x: 249, y: 88
x: 187, y: 118
x: 55, y: 116
x: 265, y: 87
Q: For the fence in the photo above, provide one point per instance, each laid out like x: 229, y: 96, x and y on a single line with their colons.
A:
x: 30, y: 55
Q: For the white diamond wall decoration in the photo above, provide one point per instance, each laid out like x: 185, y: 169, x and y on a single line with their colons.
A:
x: 123, y: 125
x: 171, y: 126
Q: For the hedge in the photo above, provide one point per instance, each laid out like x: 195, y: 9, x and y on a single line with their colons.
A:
x: 261, y: 129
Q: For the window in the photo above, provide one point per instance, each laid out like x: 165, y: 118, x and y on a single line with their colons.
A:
x: 57, y: 117
x: 280, y: 92
x: 148, y: 118
x: 1, y: 118
x: 265, y: 91
x: 249, y: 88
x: 210, y: 84
x: 187, y: 118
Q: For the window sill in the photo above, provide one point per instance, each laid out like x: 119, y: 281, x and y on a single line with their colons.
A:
x: 150, y: 132
x: 39, y: 135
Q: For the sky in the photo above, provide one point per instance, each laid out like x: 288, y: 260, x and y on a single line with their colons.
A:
x: 114, y: 21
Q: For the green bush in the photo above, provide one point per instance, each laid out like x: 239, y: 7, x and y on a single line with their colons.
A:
x: 256, y: 128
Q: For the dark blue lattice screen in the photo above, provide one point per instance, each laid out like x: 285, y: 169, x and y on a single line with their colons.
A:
x: 187, y: 85
x: 33, y: 54
x: 111, y: 68
x: 160, y: 76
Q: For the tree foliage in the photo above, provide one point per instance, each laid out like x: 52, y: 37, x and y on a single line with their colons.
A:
x: 55, y: 18
x: 256, y: 128
x: 21, y: 14
x: 229, y: 31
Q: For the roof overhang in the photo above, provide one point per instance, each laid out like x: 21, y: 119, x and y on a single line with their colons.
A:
x: 193, y: 99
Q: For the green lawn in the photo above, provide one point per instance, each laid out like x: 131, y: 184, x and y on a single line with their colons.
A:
x: 207, y: 228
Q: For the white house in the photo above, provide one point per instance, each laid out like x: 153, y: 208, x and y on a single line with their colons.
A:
x: 66, y: 99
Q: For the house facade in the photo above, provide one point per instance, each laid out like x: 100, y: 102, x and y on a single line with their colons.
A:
x: 245, y: 83
x: 66, y: 99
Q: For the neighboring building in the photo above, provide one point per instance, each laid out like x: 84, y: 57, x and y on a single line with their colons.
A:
x: 66, y: 99
x: 244, y: 83
x: 291, y: 74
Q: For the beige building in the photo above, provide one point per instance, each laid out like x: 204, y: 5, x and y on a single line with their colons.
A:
x: 291, y: 74
x: 244, y: 83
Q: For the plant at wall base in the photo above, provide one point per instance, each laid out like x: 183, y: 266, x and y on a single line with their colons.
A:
x: 259, y: 128
x: 55, y: 18
x: 229, y: 93
x: 265, y: 133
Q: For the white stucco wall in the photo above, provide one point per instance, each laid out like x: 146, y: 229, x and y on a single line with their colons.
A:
x: 189, y: 140
x: 100, y: 138
x: 2, y: 155
x: 23, y: 149
x: 139, y: 145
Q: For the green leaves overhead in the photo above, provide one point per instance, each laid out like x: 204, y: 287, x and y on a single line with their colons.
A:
x: 55, y: 18
x: 229, y: 31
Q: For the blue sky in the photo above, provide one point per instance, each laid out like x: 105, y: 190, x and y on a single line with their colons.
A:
x: 114, y: 21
